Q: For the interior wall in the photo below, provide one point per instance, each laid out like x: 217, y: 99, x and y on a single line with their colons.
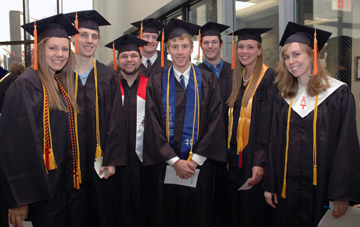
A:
x: 120, y: 13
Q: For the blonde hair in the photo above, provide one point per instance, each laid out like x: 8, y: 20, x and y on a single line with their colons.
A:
x: 288, y: 85
x: 65, y: 76
x: 182, y: 37
x: 237, y: 79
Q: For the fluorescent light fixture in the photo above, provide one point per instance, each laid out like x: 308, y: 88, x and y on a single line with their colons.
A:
x: 239, y: 5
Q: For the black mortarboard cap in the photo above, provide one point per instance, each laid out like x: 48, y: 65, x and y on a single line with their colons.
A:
x: 304, y: 34
x: 176, y: 28
x: 250, y: 33
x: 149, y: 25
x: 127, y: 43
x: 213, y: 29
x: 90, y: 19
x: 54, y: 26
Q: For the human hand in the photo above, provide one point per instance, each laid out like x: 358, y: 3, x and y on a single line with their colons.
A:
x: 110, y: 171
x: 183, y: 169
x: 269, y: 199
x: 340, y: 208
x: 17, y: 215
x: 257, y: 175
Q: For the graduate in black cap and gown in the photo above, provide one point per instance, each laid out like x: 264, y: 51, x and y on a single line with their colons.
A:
x: 42, y: 151
x: 211, y: 44
x: 314, y: 148
x: 183, y: 119
x: 250, y: 108
x: 98, y: 84
x: 132, y: 181
x: 150, y: 30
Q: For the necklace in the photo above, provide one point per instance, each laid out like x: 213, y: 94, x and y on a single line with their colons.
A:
x: 247, y: 79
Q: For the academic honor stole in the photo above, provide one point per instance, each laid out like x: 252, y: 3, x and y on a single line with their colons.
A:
x: 140, y: 113
x: 192, y: 109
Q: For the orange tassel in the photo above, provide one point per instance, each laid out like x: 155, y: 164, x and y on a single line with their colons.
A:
x: 198, y: 57
x: 162, y: 49
x: 35, y: 47
x: 141, y: 34
x: 76, y: 35
x: 114, y: 56
x: 283, y: 193
x: 315, y: 55
x: 233, y: 52
x: 240, y: 160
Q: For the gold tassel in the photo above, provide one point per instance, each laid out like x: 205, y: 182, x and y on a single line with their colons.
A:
x: 315, y: 175
x: 190, y: 156
x: 283, y: 193
x: 52, y: 163
x: 98, y: 152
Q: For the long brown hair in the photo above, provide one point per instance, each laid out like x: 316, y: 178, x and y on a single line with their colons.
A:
x: 288, y: 84
x: 237, y: 79
x: 65, y: 76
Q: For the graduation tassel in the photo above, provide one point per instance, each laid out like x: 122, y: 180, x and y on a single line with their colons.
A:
x: 230, y: 114
x: 198, y: 57
x: 283, y: 193
x: 141, y: 34
x: 315, y: 55
x: 35, y: 47
x: 52, y: 164
x: 162, y: 49
x: 233, y: 52
x: 190, y: 156
x: 76, y: 35
x: 114, y: 56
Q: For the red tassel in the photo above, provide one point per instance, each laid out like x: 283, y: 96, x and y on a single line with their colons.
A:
x: 141, y: 34
x: 315, y: 55
x: 233, y: 52
x: 162, y: 49
x: 47, y: 159
x: 198, y: 57
x: 240, y: 159
x: 35, y: 47
x: 76, y: 35
x: 114, y: 56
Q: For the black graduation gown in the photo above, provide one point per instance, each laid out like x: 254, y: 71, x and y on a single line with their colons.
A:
x: 101, y: 197
x: 52, y: 198
x: 249, y: 207
x: 338, y: 159
x: 132, y: 181
x: 4, y: 85
x: 175, y: 205
x: 156, y: 67
x: 221, y: 184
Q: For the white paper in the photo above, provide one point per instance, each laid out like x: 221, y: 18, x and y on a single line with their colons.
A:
x: 172, y: 178
x: 97, y: 165
x: 246, y: 185
x: 25, y: 224
x: 350, y: 219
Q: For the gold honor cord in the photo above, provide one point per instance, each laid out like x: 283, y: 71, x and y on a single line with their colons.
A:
x: 76, y: 127
x: 230, y: 126
x: 98, y: 152
x: 196, y: 107
x: 283, y: 194
x: 48, y: 155
x: 5, y: 76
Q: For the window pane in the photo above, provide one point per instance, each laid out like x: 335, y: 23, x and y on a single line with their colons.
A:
x: 261, y: 14
x: 42, y: 8
x: 78, y: 5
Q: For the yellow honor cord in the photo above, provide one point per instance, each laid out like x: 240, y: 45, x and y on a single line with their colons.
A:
x: 196, y: 108
x: 76, y: 127
x: 5, y: 76
x: 314, y: 141
x: 283, y: 194
x: 98, y: 152
x: 230, y: 126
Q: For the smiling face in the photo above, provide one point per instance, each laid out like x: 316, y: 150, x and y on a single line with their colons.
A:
x: 129, y: 62
x: 248, y: 51
x: 297, y: 61
x: 150, y: 48
x: 211, y: 47
x: 88, y: 41
x: 56, y: 52
x: 180, y: 51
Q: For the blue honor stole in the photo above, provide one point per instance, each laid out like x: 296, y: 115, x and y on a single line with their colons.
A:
x: 192, y: 109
